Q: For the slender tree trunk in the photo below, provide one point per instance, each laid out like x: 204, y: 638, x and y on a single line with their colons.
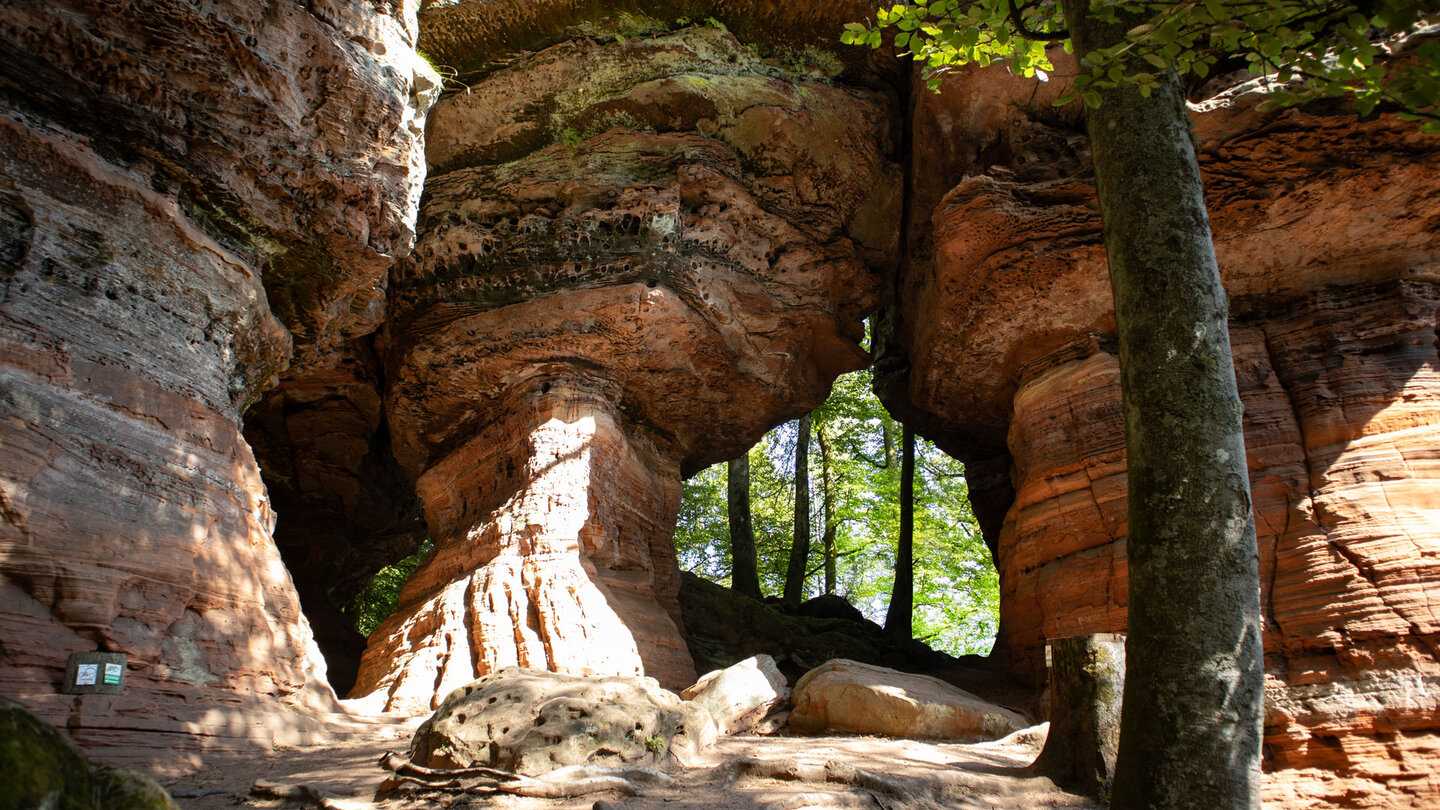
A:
x: 744, y: 569
x: 899, y: 618
x: 887, y: 432
x: 827, y: 494
x: 800, y: 548
x: 1191, y: 723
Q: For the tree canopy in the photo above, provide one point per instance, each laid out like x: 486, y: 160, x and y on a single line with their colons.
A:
x: 1302, y: 49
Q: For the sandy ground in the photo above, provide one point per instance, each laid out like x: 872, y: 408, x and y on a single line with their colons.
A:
x: 927, y: 775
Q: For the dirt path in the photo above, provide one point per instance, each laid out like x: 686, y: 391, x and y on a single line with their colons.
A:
x: 919, y: 776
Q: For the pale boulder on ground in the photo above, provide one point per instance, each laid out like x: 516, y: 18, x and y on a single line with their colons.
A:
x: 532, y: 722
x: 741, y: 696
x: 850, y: 697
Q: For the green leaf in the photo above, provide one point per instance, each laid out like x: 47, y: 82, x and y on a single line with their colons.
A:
x: 1092, y: 99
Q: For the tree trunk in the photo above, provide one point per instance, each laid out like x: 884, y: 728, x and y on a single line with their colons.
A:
x: 899, y: 618
x: 800, y: 548
x: 1191, y: 723
x: 744, y: 568
x: 887, y: 433
x: 1087, y: 677
x: 827, y: 495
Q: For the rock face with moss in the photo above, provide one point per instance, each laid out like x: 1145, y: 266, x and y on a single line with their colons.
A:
x: 43, y: 768
x: 1324, y: 230
x: 190, y: 200
x: 616, y: 282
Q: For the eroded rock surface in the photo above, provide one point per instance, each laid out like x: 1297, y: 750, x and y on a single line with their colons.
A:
x: 849, y: 697
x: 616, y: 283
x: 741, y: 695
x: 168, y: 175
x: 1325, y: 234
x: 533, y: 722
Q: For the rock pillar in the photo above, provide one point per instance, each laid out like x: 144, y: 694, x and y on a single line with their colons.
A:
x: 615, y: 285
x: 544, y: 525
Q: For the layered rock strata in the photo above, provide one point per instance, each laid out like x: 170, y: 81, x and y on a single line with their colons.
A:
x: 1325, y: 234
x: 167, y: 175
x: 616, y: 283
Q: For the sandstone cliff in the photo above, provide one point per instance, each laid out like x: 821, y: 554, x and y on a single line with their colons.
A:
x: 651, y: 234
x: 616, y: 282
x: 190, y: 201
x: 1326, y: 237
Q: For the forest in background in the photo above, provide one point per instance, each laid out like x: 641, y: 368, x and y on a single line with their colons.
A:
x: 854, y: 484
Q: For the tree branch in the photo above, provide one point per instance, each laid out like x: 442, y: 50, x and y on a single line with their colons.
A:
x: 1025, y: 33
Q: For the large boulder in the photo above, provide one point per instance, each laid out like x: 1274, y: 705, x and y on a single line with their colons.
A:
x: 532, y: 722
x: 43, y: 768
x: 723, y: 627
x: 848, y: 696
x: 740, y: 696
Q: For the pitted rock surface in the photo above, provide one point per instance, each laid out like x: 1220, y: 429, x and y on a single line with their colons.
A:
x: 615, y: 284
x: 532, y: 722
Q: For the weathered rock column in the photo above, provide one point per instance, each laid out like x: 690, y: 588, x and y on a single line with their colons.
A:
x: 549, y: 518
x: 615, y: 285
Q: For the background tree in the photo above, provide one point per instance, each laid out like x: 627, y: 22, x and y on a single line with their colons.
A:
x: 827, y: 508
x: 379, y: 599
x: 744, y: 573
x: 956, y: 599
x: 898, y: 621
x: 800, y: 543
x: 1190, y: 732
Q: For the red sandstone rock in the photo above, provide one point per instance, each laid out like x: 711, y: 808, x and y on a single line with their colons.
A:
x: 1325, y: 233
x: 166, y: 175
x: 583, y: 323
x: 848, y: 697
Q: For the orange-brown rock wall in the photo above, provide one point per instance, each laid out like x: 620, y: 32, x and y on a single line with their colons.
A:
x: 167, y: 175
x: 1324, y: 229
x: 616, y: 282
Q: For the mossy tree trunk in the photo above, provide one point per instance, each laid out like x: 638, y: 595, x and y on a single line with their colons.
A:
x: 1191, y: 724
x: 1087, y: 677
x: 744, y: 568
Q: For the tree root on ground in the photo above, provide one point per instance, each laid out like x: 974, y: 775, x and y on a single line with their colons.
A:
x: 563, y: 783
x: 874, y: 791
x: 302, y: 793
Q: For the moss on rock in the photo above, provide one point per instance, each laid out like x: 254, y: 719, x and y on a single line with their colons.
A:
x: 44, y: 768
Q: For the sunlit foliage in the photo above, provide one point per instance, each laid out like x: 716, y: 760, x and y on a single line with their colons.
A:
x: 956, y: 587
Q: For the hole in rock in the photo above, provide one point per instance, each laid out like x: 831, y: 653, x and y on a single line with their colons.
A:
x: 348, y: 522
